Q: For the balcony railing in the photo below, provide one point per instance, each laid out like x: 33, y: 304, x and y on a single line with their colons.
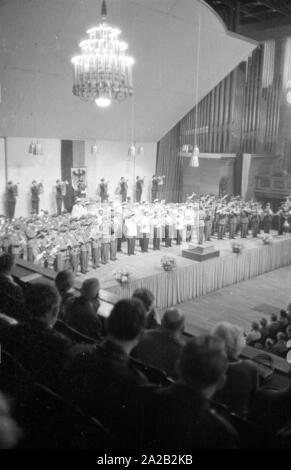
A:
x: 280, y: 185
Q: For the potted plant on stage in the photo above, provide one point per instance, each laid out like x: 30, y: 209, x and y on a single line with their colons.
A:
x: 168, y: 263
x: 266, y: 238
x: 122, y: 276
x: 237, y: 247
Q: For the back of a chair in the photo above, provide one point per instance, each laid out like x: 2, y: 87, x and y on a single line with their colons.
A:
x: 72, y: 334
x: 154, y: 375
x: 47, y: 420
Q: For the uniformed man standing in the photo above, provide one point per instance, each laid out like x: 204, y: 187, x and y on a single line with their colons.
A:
x: 155, y: 182
x: 139, y: 184
x: 103, y: 190
x: 36, y: 189
x: 123, y: 187
x: 11, y: 194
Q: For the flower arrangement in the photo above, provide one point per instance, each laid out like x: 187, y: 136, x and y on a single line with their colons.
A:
x: 266, y: 238
x: 122, y: 276
x: 237, y: 247
x: 168, y: 263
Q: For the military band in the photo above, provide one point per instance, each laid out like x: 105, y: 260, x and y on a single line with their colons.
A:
x: 93, y: 233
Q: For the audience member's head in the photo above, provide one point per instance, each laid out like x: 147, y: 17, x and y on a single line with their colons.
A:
x: 6, y: 263
x: 64, y: 281
x: 9, y: 430
x: 255, y: 326
x: 173, y: 320
x: 203, y: 364
x: 146, y: 297
x: 283, y: 315
x: 288, y: 331
x: 274, y: 317
x: 263, y: 322
x: 42, y: 303
x: 90, y: 288
x: 126, y: 321
x: 280, y: 336
x: 233, y: 337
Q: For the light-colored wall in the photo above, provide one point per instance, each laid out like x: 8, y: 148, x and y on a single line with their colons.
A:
x: 112, y: 162
x: 23, y: 168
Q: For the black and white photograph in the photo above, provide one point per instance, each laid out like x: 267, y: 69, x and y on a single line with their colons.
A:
x: 145, y: 227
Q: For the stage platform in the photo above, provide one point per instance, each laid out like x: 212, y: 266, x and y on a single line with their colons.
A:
x: 192, y: 279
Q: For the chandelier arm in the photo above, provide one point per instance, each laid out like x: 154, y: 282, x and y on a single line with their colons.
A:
x: 104, y: 10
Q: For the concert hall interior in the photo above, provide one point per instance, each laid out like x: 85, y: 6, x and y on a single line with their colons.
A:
x: 145, y: 225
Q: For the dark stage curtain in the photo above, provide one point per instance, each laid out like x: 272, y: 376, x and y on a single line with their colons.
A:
x: 66, y: 165
x: 169, y: 164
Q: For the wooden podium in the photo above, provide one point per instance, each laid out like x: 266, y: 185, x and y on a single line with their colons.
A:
x: 200, y: 252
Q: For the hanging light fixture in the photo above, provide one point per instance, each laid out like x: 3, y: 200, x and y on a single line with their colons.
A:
x: 31, y: 148
x: 140, y: 150
x: 103, y: 71
x: 132, y: 150
x: 35, y: 148
x: 94, y: 149
x: 38, y: 149
x: 194, y: 160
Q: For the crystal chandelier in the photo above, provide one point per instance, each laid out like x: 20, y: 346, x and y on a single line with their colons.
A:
x: 103, y: 71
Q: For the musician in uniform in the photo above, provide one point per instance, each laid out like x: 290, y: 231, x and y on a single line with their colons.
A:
x: 36, y: 189
x: 255, y: 222
x: 60, y: 193
x: 103, y: 190
x: 156, y: 230
x: 155, y: 182
x: 130, y: 232
x: 267, y: 218
x: 139, y: 184
x: 144, y: 229
x: 123, y: 187
x: 11, y: 194
x: 232, y: 224
x: 244, y: 223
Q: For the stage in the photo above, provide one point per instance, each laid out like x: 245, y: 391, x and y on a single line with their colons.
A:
x: 192, y: 279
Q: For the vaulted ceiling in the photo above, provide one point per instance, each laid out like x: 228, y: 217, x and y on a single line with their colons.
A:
x: 39, y: 37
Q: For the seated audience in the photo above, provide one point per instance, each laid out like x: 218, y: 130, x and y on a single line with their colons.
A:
x: 100, y: 378
x: 81, y: 314
x: 254, y: 335
x: 242, y: 378
x: 274, y: 326
x: 11, y: 295
x: 264, y: 330
x: 34, y: 343
x: 64, y: 282
x: 279, y: 347
x: 162, y: 346
x: 283, y: 320
x: 180, y: 416
x: 147, y: 298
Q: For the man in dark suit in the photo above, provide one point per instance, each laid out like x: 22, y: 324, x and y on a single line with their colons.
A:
x: 138, y: 188
x: 101, y: 379
x: 162, y: 346
x: 11, y: 194
x: 81, y: 314
x: 11, y: 295
x: 179, y: 416
x: 123, y: 187
x: 34, y: 342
